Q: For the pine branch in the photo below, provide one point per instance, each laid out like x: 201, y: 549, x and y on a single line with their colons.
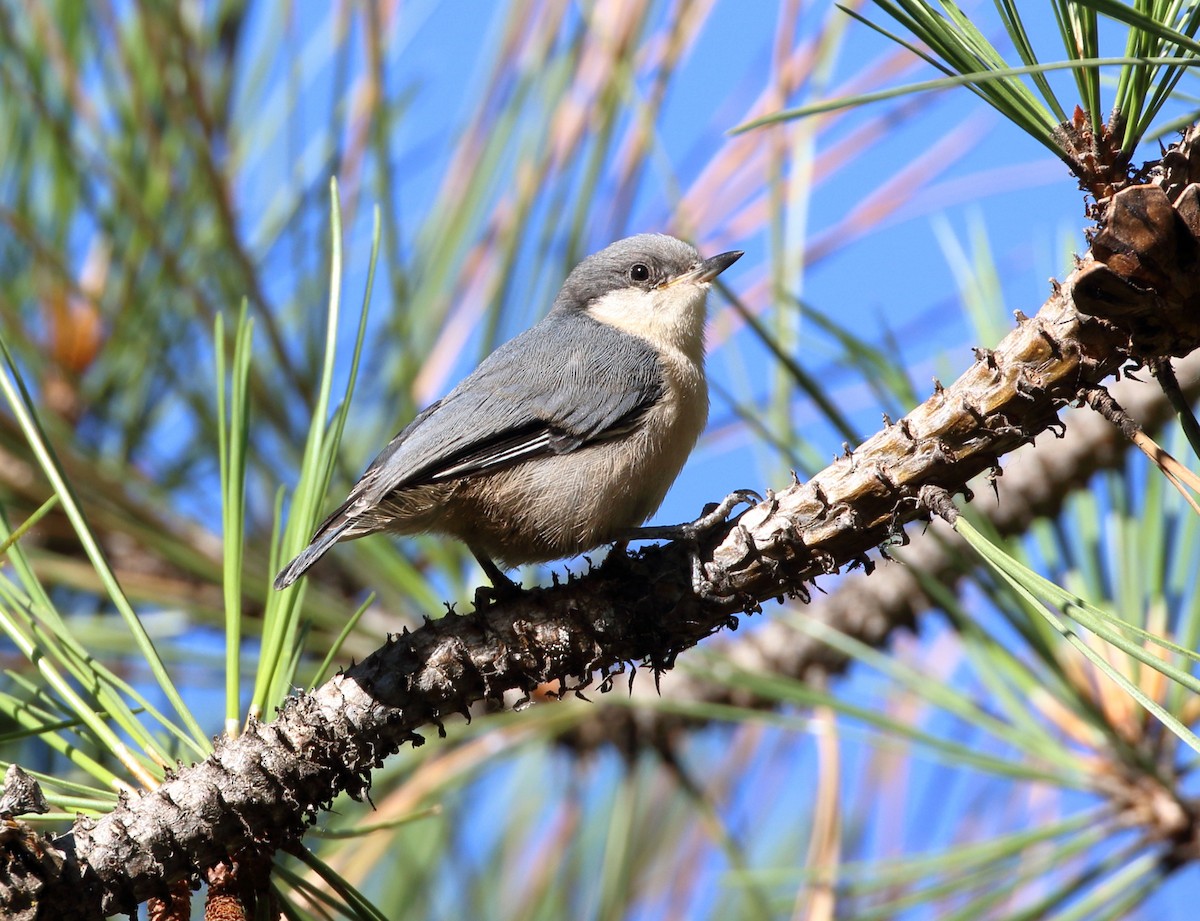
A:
x: 1131, y: 297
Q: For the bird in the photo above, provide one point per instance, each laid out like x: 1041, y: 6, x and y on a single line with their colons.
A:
x: 564, y: 438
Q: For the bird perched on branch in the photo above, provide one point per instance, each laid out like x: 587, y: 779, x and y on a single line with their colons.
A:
x: 564, y: 438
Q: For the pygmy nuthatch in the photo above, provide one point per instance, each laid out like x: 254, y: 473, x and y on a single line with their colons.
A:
x: 564, y: 438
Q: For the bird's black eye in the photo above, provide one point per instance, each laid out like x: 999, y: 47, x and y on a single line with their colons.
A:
x: 639, y: 271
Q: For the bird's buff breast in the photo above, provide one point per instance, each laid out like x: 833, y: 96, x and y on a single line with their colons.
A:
x: 563, y: 505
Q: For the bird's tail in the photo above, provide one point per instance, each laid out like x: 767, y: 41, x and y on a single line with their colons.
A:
x: 328, y: 534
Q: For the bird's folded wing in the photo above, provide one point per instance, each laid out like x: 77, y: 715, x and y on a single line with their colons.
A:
x: 542, y: 393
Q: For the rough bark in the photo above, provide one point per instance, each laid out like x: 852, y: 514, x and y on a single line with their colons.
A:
x: 1132, y: 297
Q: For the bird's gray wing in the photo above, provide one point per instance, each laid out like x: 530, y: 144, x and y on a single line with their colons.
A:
x: 565, y: 383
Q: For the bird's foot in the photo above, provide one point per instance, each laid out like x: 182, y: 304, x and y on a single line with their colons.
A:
x: 487, y: 595
x: 715, y: 514
x: 617, y: 555
x: 693, y: 532
x: 502, y: 588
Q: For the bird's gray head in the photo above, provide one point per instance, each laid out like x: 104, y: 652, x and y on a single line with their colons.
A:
x: 651, y: 286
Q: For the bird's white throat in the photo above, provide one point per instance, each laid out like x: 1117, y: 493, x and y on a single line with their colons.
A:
x: 671, y: 316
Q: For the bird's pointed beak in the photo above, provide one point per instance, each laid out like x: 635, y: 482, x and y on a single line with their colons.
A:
x: 709, y: 269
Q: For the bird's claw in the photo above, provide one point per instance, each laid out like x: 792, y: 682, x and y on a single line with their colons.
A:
x: 501, y: 589
x: 717, y: 513
x: 693, y: 532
